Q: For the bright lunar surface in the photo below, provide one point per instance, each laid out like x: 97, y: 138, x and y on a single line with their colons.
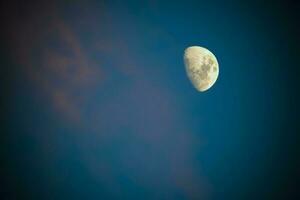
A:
x: 201, y: 66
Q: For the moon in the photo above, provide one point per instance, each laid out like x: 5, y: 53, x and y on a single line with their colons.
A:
x: 201, y: 66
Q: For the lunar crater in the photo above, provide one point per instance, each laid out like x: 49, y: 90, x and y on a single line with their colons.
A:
x: 201, y: 66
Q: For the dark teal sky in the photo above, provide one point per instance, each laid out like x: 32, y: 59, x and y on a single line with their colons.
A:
x: 97, y: 104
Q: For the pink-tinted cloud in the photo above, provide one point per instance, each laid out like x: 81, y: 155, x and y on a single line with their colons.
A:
x: 61, y: 77
x: 68, y: 78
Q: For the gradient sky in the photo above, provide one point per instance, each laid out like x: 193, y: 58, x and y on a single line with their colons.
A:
x: 97, y: 104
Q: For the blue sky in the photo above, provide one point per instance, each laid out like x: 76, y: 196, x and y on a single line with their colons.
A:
x: 101, y: 106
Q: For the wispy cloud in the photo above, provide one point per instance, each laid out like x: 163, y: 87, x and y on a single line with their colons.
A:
x: 63, y: 77
x: 62, y: 69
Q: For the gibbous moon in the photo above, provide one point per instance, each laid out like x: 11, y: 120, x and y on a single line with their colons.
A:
x: 201, y: 66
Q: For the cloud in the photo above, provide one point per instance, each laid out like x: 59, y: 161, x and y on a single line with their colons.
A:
x: 52, y: 56
x: 119, y: 106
